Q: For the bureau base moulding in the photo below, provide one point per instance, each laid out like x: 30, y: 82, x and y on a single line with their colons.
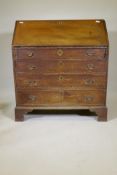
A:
x: 100, y: 112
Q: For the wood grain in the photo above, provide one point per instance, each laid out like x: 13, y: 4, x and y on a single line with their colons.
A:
x: 60, y: 64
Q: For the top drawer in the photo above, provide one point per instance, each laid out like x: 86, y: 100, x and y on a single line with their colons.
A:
x: 55, y: 53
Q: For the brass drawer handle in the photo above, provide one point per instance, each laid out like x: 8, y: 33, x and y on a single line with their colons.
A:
x: 89, y: 82
x: 32, y: 97
x: 61, y: 78
x: 32, y: 83
x: 32, y: 67
x: 88, y: 99
x: 60, y: 52
x: 90, y: 66
x: 30, y: 54
x: 90, y: 52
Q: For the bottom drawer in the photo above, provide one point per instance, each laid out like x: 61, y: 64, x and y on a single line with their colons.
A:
x: 61, y: 98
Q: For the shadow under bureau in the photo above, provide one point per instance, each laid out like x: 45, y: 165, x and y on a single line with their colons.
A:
x: 60, y: 64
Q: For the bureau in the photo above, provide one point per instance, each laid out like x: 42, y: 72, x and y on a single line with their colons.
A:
x: 60, y: 64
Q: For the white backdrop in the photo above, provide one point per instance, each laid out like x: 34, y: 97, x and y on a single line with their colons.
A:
x: 13, y: 10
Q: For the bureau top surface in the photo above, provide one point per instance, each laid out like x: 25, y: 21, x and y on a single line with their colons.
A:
x: 60, y: 33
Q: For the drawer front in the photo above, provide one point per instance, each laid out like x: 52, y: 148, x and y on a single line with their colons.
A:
x: 41, y: 97
x: 84, y: 98
x: 54, y: 52
x: 63, y: 66
x: 60, y: 81
x: 61, y: 98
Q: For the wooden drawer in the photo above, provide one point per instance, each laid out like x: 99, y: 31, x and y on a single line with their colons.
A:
x: 84, y: 98
x: 61, y: 66
x: 56, y: 52
x: 60, y: 81
x: 63, y: 97
x: 30, y: 98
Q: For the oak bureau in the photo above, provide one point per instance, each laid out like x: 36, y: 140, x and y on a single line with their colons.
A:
x: 60, y: 64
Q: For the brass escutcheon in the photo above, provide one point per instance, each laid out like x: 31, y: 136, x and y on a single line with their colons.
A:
x: 60, y: 52
x: 61, y: 77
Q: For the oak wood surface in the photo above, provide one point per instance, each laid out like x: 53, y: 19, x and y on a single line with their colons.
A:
x: 57, y: 66
x: 60, y: 33
x: 61, y: 64
x: 66, y: 81
x: 61, y: 97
